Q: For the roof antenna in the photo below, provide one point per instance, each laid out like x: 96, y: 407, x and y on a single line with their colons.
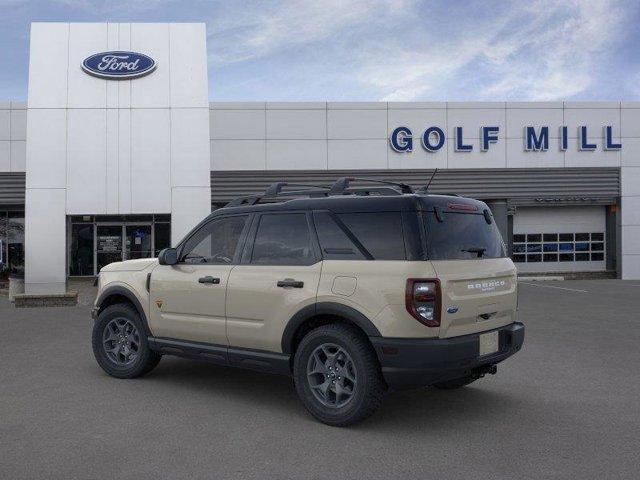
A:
x: 426, y: 189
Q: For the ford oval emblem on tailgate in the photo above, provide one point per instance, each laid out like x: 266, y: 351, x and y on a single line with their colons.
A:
x: 118, y: 65
x: 452, y: 309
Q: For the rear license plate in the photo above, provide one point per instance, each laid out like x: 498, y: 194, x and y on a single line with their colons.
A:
x: 489, y: 343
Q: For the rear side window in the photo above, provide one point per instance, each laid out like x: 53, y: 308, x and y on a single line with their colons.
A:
x: 462, y: 236
x: 380, y: 233
x: 334, y: 242
x: 283, y: 239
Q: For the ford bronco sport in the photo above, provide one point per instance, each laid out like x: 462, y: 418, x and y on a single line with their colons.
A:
x: 350, y: 290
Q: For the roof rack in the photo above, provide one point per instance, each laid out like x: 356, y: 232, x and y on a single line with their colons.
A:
x: 341, y: 186
x: 275, y: 190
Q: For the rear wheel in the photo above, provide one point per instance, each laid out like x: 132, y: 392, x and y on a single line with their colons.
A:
x: 455, y: 383
x: 120, y: 343
x: 337, y: 375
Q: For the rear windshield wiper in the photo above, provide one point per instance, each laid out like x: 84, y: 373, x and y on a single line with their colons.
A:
x: 477, y: 250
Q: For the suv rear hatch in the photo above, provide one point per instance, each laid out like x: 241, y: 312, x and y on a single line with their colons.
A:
x: 478, y: 281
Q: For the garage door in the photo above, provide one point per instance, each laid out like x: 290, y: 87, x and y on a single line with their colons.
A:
x: 559, y: 239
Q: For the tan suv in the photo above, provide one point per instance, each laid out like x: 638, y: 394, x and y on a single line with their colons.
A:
x: 350, y: 290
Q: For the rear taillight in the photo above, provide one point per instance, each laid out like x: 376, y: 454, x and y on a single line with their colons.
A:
x: 422, y: 298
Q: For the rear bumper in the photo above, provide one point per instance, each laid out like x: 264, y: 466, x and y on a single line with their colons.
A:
x: 417, y: 362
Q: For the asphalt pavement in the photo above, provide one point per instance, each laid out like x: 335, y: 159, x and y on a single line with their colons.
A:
x: 566, y: 406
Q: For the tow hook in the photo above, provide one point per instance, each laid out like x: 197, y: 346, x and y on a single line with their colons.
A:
x: 484, y: 370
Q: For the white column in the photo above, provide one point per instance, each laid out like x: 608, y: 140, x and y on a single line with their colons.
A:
x: 630, y: 216
x: 45, y: 241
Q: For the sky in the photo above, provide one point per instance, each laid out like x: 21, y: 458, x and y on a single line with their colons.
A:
x: 377, y: 50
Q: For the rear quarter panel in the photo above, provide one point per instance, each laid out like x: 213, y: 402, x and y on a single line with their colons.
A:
x: 379, y: 292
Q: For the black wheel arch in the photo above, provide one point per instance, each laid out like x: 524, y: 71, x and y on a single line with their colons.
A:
x: 320, y: 311
x: 119, y: 294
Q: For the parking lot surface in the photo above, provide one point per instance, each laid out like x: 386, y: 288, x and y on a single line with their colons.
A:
x: 566, y: 406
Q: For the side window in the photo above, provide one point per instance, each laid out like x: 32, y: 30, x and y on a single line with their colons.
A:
x: 380, y: 233
x: 334, y: 243
x: 283, y: 239
x: 216, y: 242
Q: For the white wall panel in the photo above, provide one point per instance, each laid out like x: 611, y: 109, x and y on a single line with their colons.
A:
x: 188, y: 56
x: 296, y: 124
x: 86, y: 91
x: 418, y: 120
x: 598, y: 158
x: 5, y: 156
x: 357, y: 124
x: 630, y: 211
x: 86, y: 161
x: 150, y: 161
x: 592, y: 118
x: 296, y: 154
x: 45, y: 241
x: 495, y: 157
x: 472, y: 119
x: 124, y: 86
x: 111, y: 162
x: 189, y: 206
x: 18, y: 124
x: 630, y: 120
x: 48, y: 62
x: 631, y: 239
x: 517, y: 157
x: 345, y: 154
x: 47, y: 148
x: 190, y: 164
x: 238, y: 155
x: 113, y: 43
x: 18, y: 156
x: 630, y: 153
x: 238, y: 124
x: 630, y: 267
x: 5, y: 124
x: 630, y: 181
x: 152, y: 91
x: 124, y: 161
x: 518, y: 118
x: 418, y: 158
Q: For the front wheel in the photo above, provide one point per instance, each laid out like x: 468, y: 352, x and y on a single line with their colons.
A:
x: 120, y: 343
x: 337, y: 375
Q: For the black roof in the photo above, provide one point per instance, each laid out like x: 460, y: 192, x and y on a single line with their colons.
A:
x: 358, y: 203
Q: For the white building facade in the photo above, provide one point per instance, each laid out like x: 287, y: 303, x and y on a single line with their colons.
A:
x: 103, y: 169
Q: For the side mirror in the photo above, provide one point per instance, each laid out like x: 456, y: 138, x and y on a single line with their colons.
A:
x: 168, y: 256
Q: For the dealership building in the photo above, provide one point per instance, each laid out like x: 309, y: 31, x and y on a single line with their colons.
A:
x: 118, y: 152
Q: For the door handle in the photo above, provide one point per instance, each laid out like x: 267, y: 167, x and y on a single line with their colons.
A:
x: 290, y: 282
x: 209, y: 279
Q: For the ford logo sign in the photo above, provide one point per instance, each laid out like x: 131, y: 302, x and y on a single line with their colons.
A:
x: 453, y: 309
x: 118, y: 65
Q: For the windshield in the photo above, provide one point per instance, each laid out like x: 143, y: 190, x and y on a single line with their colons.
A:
x: 462, y: 236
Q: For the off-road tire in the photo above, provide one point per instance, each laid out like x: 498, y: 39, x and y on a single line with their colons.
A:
x: 146, y: 359
x: 455, y: 383
x: 370, y: 387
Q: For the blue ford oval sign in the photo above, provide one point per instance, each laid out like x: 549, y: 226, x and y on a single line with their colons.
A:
x: 118, y: 65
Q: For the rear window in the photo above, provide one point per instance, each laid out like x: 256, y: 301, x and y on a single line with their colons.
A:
x: 462, y: 236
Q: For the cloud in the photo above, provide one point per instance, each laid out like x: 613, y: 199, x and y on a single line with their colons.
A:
x: 263, y: 28
x: 544, y: 51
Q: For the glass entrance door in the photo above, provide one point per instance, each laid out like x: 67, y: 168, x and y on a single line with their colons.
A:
x: 108, y: 245
x: 138, y: 241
